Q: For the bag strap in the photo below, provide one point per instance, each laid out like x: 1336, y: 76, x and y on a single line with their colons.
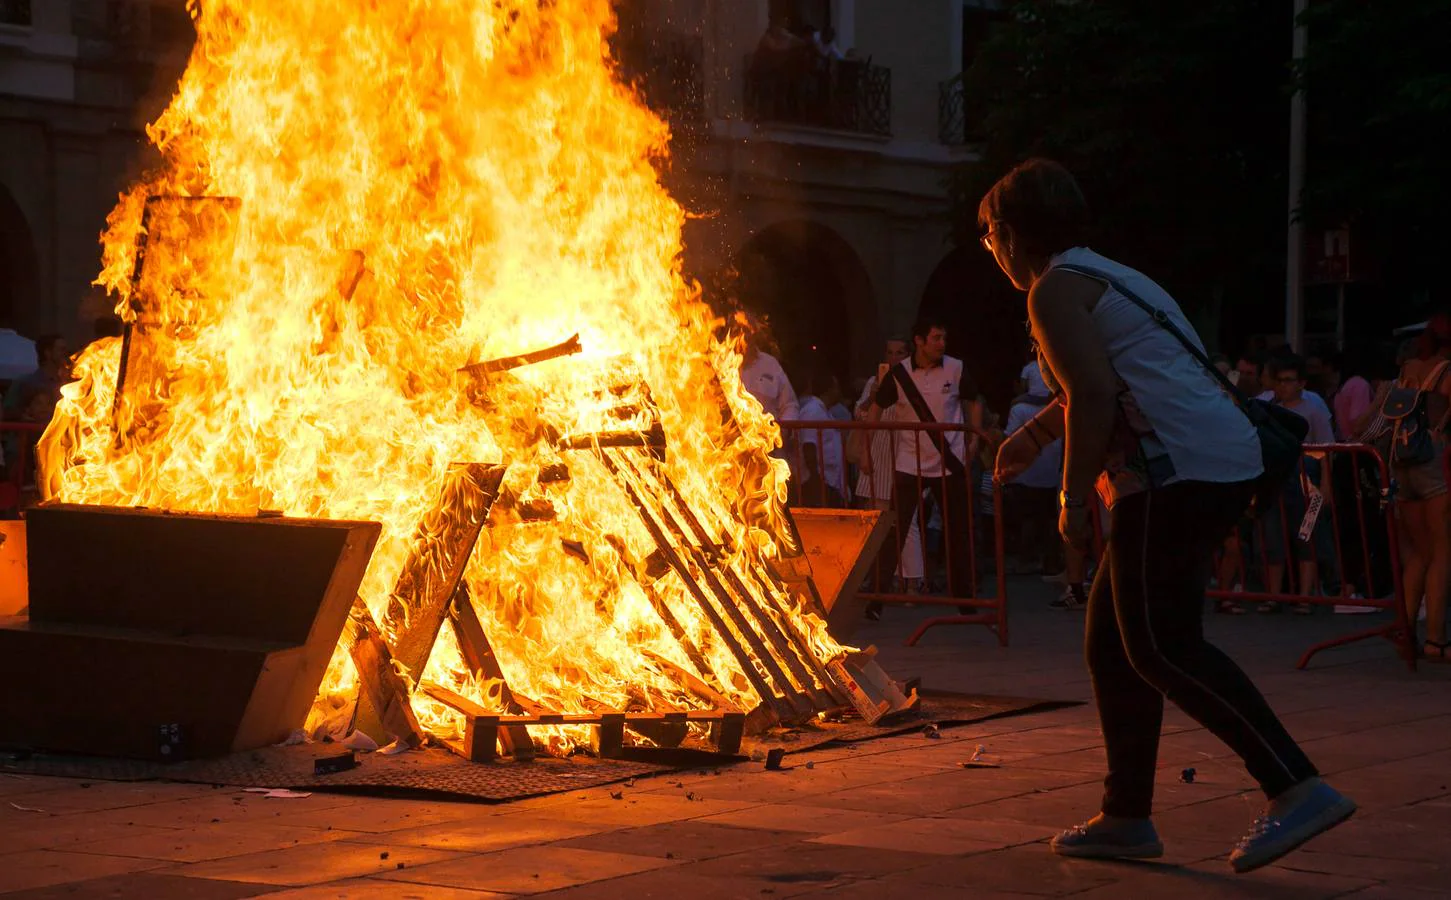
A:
x: 1162, y: 319
x: 919, y: 405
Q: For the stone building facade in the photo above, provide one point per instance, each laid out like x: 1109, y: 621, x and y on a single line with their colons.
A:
x: 824, y: 193
x: 78, y: 81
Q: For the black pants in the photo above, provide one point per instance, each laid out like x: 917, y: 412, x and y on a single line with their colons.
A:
x: 1145, y: 641
x: 951, y: 495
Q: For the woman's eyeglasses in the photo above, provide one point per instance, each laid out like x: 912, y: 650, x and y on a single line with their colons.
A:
x: 987, y: 241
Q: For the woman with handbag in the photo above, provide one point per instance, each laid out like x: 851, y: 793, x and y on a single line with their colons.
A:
x: 1176, y: 460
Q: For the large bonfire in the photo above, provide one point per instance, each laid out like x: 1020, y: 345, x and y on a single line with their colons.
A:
x: 481, y: 179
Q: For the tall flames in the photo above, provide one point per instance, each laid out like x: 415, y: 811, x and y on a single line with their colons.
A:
x: 494, y: 178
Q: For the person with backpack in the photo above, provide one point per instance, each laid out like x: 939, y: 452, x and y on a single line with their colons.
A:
x: 1135, y: 398
x: 1417, y: 410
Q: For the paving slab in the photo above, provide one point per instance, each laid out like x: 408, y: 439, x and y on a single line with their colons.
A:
x: 1214, y: 880
x: 143, y: 886
x: 939, y: 836
x: 679, y: 884
x: 1031, y: 869
x: 639, y: 807
x: 315, y: 864
x: 802, y: 817
x: 690, y: 840
x: 496, y: 833
x: 371, y: 889
x: 211, y: 841
x: 528, y: 870
x: 42, y: 868
x: 814, y: 864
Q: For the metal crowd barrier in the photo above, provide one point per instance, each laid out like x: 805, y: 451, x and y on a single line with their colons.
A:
x: 17, y: 486
x: 1353, y: 541
x: 811, y: 441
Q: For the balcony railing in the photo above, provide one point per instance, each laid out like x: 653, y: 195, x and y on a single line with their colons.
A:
x: 849, y: 95
x: 667, y: 68
x: 957, y: 122
x: 15, y: 12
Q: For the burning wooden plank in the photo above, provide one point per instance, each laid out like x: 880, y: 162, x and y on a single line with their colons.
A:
x: 442, y: 544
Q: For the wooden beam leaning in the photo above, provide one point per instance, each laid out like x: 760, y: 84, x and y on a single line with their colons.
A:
x: 384, y: 694
x: 478, y: 654
x: 442, y: 545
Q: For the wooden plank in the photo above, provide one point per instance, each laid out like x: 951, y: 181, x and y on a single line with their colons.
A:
x: 479, y: 656
x: 385, y: 692
x: 442, y: 544
x: 689, y: 681
x: 452, y: 699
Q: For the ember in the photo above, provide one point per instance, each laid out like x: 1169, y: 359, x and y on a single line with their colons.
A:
x: 334, y: 291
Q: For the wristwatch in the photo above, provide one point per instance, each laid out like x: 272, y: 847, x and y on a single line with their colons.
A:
x: 1068, y: 501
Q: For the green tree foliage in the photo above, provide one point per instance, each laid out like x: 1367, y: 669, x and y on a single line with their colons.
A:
x: 1172, y: 115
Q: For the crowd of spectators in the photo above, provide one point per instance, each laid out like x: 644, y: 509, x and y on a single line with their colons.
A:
x: 930, y: 499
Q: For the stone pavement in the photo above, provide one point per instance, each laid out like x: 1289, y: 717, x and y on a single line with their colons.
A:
x: 893, y: 818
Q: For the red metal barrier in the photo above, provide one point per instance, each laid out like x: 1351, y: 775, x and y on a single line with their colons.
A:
x: 820, y: 480
x: 1275, y: 532
x: 18, y: 439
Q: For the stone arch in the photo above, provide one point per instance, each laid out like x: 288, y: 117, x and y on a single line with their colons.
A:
x: 815, y: 291
x: 985, y: 317
x: 19, y: 264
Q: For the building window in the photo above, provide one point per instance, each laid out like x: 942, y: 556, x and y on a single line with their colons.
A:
x: 15, y: 12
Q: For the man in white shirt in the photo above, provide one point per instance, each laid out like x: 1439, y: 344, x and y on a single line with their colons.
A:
x: 764, y: 378
x: 950, y: 396
x: 823, y: 457
x: 17, y: 355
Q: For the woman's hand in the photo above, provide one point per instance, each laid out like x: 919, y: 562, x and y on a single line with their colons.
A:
x: 1076, y: 526
x: 1017, y: 453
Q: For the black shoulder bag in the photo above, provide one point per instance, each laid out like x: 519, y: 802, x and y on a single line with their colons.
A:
x: 919, y: 405
x: 1281, y: 432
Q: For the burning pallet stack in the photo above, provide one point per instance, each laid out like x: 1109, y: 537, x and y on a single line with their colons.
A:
x: 753, y: 604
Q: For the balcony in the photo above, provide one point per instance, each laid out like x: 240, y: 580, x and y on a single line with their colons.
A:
x: 15, y: 12
x: 957, y: 123
x: 846, y: 95
x: 667, y: 69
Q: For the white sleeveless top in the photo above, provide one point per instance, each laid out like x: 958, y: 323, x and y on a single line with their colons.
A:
x: 1198, y: 433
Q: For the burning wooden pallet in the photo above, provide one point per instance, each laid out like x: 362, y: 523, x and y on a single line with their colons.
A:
x: 752, y: 606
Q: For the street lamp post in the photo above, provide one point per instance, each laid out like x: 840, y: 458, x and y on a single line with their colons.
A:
x: 1295, y: 252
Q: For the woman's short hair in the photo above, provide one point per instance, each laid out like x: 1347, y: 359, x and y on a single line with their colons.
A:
x: 1043, y: 205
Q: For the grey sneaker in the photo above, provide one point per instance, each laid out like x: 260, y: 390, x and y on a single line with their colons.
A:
x: 1099, y: 839
x: 1306, y: 810
x: 1068, y: 600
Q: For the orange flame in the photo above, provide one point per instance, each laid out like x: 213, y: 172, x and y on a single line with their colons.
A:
x: 494, y: 179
